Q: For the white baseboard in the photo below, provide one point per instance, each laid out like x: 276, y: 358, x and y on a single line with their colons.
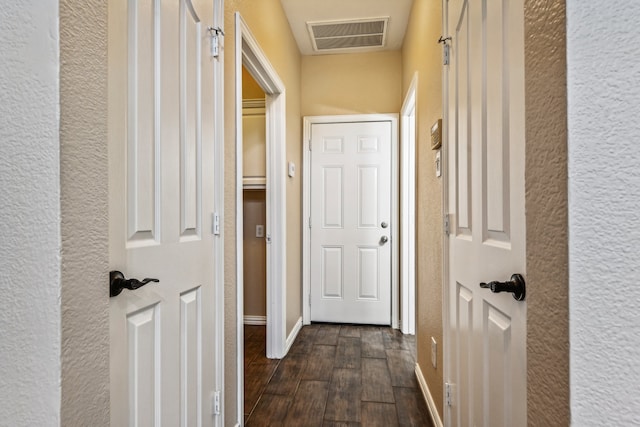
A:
x: 435, y: 417
x: 292, y: 336
x: 255, y: 320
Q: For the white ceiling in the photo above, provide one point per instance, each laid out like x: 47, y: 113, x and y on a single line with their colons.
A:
x: 299, y: 12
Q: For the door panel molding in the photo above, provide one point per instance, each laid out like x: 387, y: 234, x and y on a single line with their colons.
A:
x: 365, y: 144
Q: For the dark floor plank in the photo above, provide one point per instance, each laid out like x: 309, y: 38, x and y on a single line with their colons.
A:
x: 343, y: 402
x: 372, y: 343
x: 411, y: 408
x: 320, y: 363
x: 396, y: 340
x: 352, y: 331
x: 401, y: 368
x: 376, y: 381
x: 256, y: 377
x: 270, y: 411
x: 340, y: 424
x: 286, y: 378
x: 376, y: 414
x: 304, y: 341
x: 348, y: 353
x: 254, y: 349
x: 307, y: 409
x: 255, y: 331
x: 327, y: 334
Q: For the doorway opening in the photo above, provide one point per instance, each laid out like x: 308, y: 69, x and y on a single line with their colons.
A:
x: 249, y: 55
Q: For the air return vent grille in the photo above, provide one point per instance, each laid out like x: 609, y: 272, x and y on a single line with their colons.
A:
x: 337, y: 35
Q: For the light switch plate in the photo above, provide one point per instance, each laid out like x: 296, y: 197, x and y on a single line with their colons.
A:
x: 292, y: 169
x: 434, y: 352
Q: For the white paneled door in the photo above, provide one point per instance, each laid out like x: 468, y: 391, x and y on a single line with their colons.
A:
x: 350, y: 222
x: 486, y: 129
x: 161, y: 142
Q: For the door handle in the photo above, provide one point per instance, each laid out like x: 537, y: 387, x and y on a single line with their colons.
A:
x: 516, y: 286
x: 384, y: 239
x: 117, y: 283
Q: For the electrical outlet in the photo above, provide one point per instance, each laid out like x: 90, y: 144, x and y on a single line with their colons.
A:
x: 434, y: 352
x: 259, y: 231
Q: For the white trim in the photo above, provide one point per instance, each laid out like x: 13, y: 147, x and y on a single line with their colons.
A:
x: 294, y: 333
x: 431, y: 404
x: 249, y: 54
x: 254, y: 182
x: 253, y: 104
x: 218, y: 200
x: 306, y: 205
x: 255, y: 320
x: 408, y: 136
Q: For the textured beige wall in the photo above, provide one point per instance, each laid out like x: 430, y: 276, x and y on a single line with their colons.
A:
x: 250, y: 88
x: 255, y: 255
x: 546, y: 212
x: 254, y: 150
x: 84, y: 178
x: 269, y: 25
x: 423, y: 55
x: 358, y: 83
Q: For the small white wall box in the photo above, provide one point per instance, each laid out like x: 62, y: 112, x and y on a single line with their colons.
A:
x: 436, y: 135
x: 292, y: 169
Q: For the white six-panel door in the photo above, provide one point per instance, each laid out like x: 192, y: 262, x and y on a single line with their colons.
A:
x: 485, y: 101
x: 161, y: 141
x: 351, y: 222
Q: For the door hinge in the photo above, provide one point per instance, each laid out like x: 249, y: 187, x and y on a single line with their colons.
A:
x: 309, y: 299
x: 310, y: 145
x: 446, y: 49
x: 445, y: 55
x: 214, y: 35
x: 215, y: 223
x: 215, y: 403
x: 447, y: 225
x: 309, y: 222
x: 448, y: 393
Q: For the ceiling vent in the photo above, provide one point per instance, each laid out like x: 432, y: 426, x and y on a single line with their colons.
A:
x: 355, y: 34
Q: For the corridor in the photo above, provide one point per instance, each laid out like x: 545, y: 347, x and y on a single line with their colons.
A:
x: 334, y: 375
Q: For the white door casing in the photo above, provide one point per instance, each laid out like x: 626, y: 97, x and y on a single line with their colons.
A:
x: 165, y: 337
x: 408, y: 136
x: 351, y: 217
x: 484, y: 104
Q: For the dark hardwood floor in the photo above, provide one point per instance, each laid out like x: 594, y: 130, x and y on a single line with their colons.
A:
x: 334, y: 375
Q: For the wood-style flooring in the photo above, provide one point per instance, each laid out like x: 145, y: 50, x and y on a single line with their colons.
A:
x: 334, y: 375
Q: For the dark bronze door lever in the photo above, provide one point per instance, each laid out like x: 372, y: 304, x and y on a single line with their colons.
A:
x: 117, y: 283
x: 516, y: 286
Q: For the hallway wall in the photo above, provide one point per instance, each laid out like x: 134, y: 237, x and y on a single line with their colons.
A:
x: 30, y: 330
x: 270, y: 27
x: 546, y: 213
x: 423, y: 55
x: 604, y: 224
x: 356, y: 83
x: 84, y: 202
x: 255, y: 255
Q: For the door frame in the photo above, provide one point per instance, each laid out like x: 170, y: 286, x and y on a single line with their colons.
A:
x: 218, y: 205
x: 306, y: 206
x: 444, y: 165
x: 249, y: 54
x: 408, y: 137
